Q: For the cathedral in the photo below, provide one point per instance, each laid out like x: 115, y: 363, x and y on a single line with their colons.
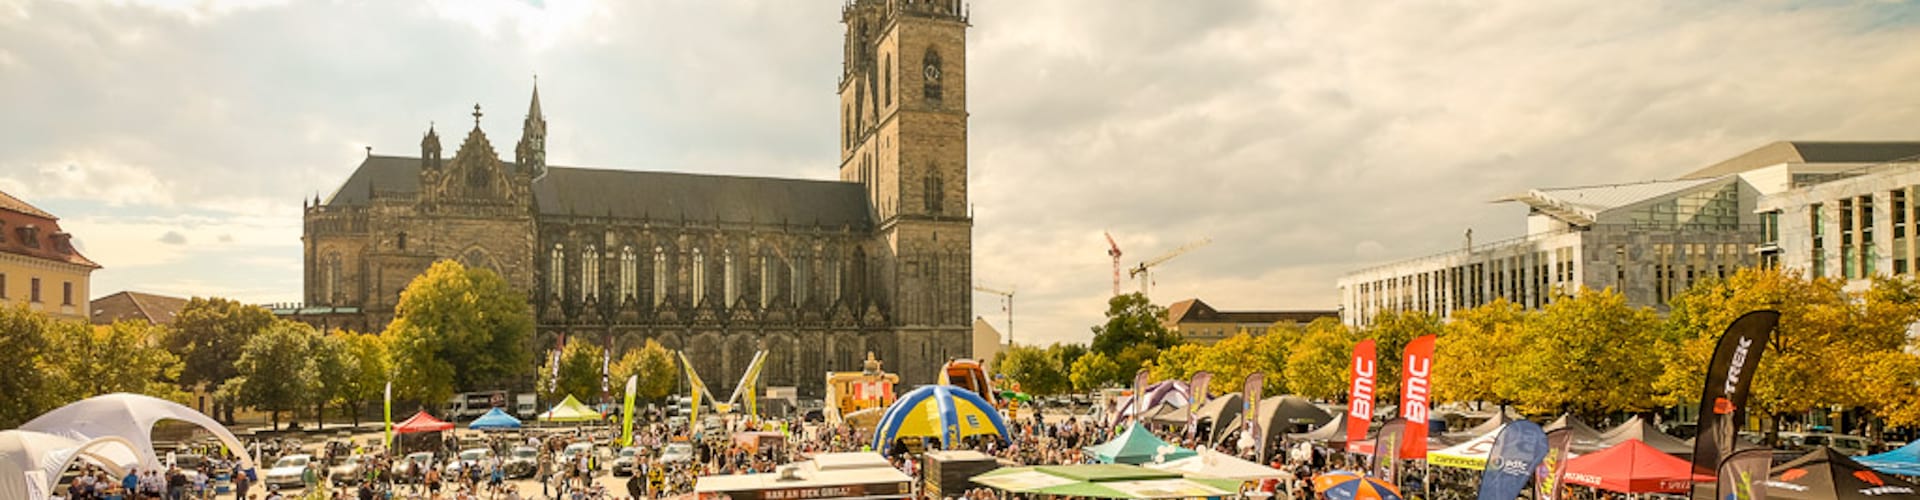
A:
x: 816, y: 272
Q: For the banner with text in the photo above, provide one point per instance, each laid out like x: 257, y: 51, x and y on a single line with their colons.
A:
x: 1250, y: 413
x: 1743, y: 476
x: 1360, y: 396
x: 1197, y: 397
x: 1729, y: 376
x: 1553, y: 468
x: 1517, y: 451
x: 1386, y: 459
x: 1416, y: 379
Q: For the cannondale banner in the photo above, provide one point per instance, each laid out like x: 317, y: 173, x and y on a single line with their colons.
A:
x: 1729, y: 376
x: 1552, y: 473
x: 1743, y: 476
x: 1416, y: 379
x: 1517, y: 451
x: 1250, y: 413
x: 1197, y: 391
x: 1360, y: 396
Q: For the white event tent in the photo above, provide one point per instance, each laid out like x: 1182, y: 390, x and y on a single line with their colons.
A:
x: 130, y: 417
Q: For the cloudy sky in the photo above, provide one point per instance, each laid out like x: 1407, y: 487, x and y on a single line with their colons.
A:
x: 176, y: 138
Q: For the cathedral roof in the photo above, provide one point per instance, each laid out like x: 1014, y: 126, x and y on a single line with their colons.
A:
x: 636, y: 194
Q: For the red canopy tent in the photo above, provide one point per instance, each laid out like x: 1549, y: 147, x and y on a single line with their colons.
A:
x: 421, y: 422
x: 1632, y: 467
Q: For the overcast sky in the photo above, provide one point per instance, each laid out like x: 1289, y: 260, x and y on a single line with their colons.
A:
x: 177, y: 138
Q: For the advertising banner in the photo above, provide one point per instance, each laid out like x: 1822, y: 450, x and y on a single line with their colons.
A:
x: 1250, y: 413
x: 1743, y: 476
x: 1386, y: 459
x: 1517, y: 451
x: 1197, y: 397
x: 1553, y: 468
x: 626, y: 411
x: 1140, y: 393
x: 1729, y: 376
x: 1360, y: 395
x: 1416, y: 378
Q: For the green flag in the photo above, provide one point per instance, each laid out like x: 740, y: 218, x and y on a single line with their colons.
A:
x: 388, y: 441
x: 626, y: 421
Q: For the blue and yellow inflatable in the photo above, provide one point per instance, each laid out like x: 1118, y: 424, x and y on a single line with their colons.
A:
x: 938, y: 411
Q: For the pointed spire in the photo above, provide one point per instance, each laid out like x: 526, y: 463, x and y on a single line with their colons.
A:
x: 533, y: 110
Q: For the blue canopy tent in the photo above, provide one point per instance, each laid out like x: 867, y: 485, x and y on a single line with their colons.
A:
x: 1903, y: 461
x: 943, y: 412
x: 1136, y: 446
x: 495, y: 419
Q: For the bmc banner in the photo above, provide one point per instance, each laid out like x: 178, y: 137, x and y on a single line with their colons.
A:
x: 1729, y: 376
x: 1360, y: 396
x: 1416, y: 378
x: 1250, y: 413
x: 1516, y: 452
x: 1197, y: 397
x: 1553, y: 469
x: 1743, y: 476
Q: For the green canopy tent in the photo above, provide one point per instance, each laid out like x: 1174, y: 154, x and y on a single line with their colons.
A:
x: 1105, y: 481
x: 570, y: 410
x: 1137, y: 446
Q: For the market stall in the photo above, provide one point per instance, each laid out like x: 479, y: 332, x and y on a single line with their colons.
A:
x: 570, y: 410
x: 827, y: 476
x: 1632, y: 467
x: 495, y: 419
x: 1136, y: 446
x: 1826, y: 474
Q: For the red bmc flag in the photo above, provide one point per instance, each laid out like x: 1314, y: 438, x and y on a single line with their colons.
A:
x: 1416, y: 390
x: 1360, y: 395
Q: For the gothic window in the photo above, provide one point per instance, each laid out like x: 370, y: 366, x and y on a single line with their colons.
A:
x: 659, y: 276
x: 858, y: 276
x: 729, y: 282
x: 589, y: 272
x: 802, y: 272
x: 833, y: 280
x: 699, y: 277
x: 557, y: 271
x: 331, y: 281
x: 476, y: 177
x: 935, y: 190
x: 629, y: 274
x: 930, y: 73
x: 887, y: 88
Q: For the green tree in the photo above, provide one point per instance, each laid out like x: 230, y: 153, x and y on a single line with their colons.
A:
x: 27, y: 378
x: 1036, y: 369
x: 274, y: 369
x: 1581, y: 357
x: 459, y: 329
x: 123, y: 357
x: 1133, y: 333
x: 207, y: 335
x: 1318, y: 364
x: 579, y: 374
x: 329, y: 372
x: 1390, y: 332
x: 1472, y: 349
x: 1095, y: 371
x: 366, y: 380
x: 658, y: 371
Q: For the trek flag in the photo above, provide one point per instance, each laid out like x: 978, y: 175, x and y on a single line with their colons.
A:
x: 1553, y: 469
x: 1386, y: 460
x: 1360, y: 396
x: 388, y: 397
x: 1250, y: 413
x: 1517, y: 451
x: 1729, y: 376
x: 626, y: 411
x: 1743, y: 476
x: 1197, y: 390
x: 1416, y: 388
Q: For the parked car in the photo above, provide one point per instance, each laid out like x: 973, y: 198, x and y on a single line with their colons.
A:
x: 571, y: 454
x: 470, y: 457
x: 189, y: 465
x: 522, y: 462
x: 348, y: 473
x: 625, y: 463
x: 676, y: 453
x: 415, y: 465
x: 1845, y: 444
x: 287, y: 470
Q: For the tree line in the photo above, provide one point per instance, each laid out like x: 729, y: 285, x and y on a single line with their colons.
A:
x: 1590, y: 353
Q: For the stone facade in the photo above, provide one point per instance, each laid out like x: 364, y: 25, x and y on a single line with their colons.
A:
x: 818, y: 273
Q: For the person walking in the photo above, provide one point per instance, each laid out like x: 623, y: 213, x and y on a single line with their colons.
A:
x: 241, y: 481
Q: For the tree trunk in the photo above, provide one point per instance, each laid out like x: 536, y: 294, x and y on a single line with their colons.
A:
x: 320, y: 416
x: 276, y: 420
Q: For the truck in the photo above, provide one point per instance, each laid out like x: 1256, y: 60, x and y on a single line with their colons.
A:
x: 471, y: 405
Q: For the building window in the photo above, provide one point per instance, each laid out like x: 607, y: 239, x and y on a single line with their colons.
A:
x: 930, y: 73
x: 3, y: 285
x: 699, y: 278
x: 729, y: 279
x: 833, y: 280
x: 557, y: 271
x: 1868, y: 253
x: 766, y: 280
x: 659, y: 276
x: 402, y: 241
x: 66, y: 293
x: 330, y: 281
x: 936, y: 190
x: 1819, y: 240
x: 589, y: 272
x: 886, y: 88
x: 34, y: 290
x: 629, y: 274
x: 802, y: 271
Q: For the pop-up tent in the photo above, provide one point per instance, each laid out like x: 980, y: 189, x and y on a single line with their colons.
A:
x: 943, y: 412
x: 1104, y: 481
x: 1632, y: 467
x: 570, y: 410
x: 495, y: 419
x: 31, y: 462
x: 1585, y: 439
x: 1638, y: 428
x: 1825, y: 474
x: 1219, y: 411
x: 1136, y: 446
x: 421, y: 422
x: 130, y: 417
x: 1904, y: 461
x: 1331, y: 434
x: 1492, y: 424
x: 1217, y: 465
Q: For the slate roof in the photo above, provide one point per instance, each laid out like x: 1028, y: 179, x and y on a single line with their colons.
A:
x: 639, y: 194
x: 131, y: 305
x: 1811, y: 152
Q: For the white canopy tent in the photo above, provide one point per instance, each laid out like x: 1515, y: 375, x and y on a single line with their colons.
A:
x: 31, y: 462
x: 1213, y: 464
x: 130, y: 417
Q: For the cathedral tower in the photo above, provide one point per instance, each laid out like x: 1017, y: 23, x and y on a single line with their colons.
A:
x: 903, y: 101
x: 531, y: 154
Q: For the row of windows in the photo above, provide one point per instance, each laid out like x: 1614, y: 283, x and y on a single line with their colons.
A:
x: 733, y: 281
x: 33, y: 290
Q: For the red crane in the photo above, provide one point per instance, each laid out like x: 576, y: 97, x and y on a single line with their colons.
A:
x: 1113, y: 250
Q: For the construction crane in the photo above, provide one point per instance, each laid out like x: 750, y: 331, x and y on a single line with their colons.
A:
x: 1007, y: 297
x: 1113, y: 250
x: 1146, y: 279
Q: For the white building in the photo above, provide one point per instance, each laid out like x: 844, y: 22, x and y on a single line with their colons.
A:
x: 1649, y: 240
x: 1853, y: 228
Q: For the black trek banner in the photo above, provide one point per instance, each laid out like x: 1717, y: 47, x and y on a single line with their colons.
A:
x: 1729, y: 376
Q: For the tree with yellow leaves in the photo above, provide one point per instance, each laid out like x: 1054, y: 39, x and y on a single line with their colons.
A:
x: 1471, y: 350
x: 1589, y: 354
